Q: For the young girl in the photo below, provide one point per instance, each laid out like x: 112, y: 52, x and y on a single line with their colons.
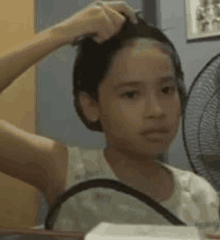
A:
x: 128, y: 84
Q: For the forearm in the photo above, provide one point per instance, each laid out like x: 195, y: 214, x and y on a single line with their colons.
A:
x: 18, y: 59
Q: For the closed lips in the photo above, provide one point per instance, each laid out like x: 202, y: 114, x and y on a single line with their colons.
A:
x: 158, y: 130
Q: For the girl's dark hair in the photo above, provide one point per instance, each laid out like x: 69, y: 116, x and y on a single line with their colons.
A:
x: 93, y: 61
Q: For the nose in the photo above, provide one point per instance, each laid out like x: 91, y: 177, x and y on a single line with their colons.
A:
x: 153, y: 108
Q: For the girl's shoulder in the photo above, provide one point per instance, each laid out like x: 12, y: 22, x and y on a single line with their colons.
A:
x: 198, y: 187
x: 83, y: 163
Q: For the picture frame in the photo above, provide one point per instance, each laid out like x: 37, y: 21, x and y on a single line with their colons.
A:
x: 202, y: 18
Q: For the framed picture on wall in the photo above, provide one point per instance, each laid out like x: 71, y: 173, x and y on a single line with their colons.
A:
x: 202, y: 18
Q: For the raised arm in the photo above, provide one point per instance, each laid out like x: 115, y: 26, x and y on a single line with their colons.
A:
x: 19, y: 58
x: 103, y: 20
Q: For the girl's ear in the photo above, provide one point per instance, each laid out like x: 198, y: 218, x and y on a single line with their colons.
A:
x: 89, y: 107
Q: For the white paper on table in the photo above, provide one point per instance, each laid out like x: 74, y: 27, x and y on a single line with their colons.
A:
x: 110, y: 231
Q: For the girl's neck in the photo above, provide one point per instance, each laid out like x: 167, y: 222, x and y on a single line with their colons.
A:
x: 143, y: 173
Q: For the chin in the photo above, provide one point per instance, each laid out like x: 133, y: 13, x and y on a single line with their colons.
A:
x: 152, y: 150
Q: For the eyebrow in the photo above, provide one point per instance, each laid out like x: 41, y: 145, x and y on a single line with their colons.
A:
x: 140, y: 83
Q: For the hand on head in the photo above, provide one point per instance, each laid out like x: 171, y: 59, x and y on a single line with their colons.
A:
x: 100, y: 19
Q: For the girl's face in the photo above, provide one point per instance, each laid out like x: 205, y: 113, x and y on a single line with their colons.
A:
x: 139, y: 93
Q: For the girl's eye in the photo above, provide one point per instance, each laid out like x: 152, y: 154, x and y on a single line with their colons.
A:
x: 169, y: 88
x: 133, y: 94
x: 129, y: 94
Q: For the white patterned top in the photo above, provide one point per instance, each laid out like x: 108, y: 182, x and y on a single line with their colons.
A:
x: 194, y: 201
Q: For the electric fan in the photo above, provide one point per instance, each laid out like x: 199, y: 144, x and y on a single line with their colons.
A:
x: 201, y: 123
